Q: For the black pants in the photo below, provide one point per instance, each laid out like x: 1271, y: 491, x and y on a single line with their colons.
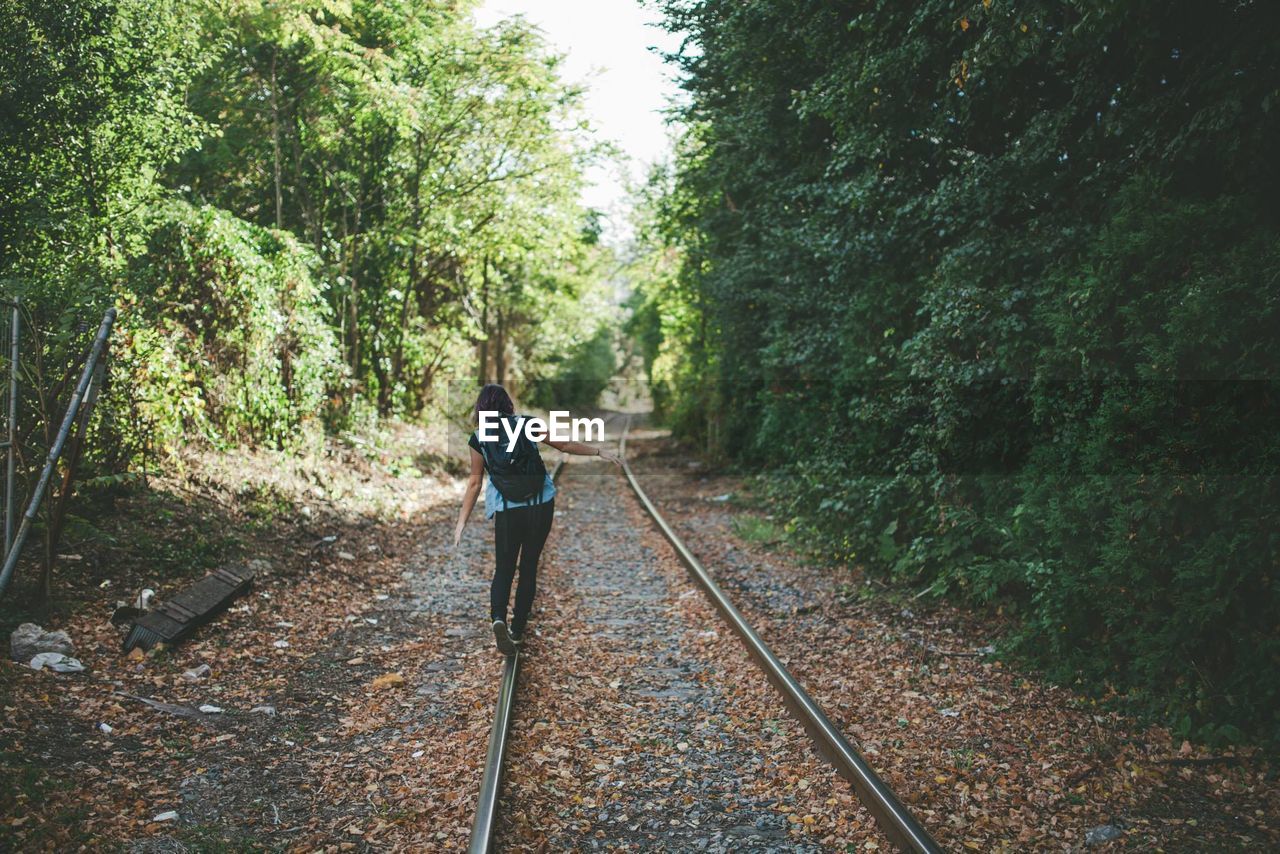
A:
x: 519, y: 534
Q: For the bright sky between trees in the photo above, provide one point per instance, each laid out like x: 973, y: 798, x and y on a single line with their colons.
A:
x: 608, y: 48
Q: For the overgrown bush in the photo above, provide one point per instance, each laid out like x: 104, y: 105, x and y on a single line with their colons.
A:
x: 227, y: 333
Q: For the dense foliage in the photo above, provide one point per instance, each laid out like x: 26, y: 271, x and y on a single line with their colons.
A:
x: 240, y: 347
x: 992, y: 289
x: 308, y: 214
x: 305, y: 210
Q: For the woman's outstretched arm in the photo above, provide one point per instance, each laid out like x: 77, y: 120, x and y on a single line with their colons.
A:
x: 582, y: 449
x: 474, y: 482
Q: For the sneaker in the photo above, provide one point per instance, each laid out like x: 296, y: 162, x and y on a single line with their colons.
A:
x: 503, y: 637
x: 517, y: 638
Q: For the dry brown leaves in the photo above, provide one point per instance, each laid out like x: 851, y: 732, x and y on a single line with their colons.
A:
x: 371, y: 649
x: 989, y: 759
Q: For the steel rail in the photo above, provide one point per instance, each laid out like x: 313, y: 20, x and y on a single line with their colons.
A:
x: 491, y: 780
x: 890, y: 814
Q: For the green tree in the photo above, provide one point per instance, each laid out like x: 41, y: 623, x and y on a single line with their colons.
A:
x: 92, y: 107
x: 417, y: 155
x: 1007, y: 270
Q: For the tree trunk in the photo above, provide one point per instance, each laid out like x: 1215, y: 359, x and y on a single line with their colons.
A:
x: 56, y: 509
x: 411, y: 285
x: 484, y: 322
x: 275, y: 138
x: 349, y: 260
x: 500, y: 350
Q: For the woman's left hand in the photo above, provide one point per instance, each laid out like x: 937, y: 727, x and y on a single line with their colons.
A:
x: 610, y: 457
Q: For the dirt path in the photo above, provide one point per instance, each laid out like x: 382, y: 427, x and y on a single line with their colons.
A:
x: 356, y: 688
x: 354, y: 682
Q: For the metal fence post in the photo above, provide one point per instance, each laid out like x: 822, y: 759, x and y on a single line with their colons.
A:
x: 12, y: 450
x: 73, y: 409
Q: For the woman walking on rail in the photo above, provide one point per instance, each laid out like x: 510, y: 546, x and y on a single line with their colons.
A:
x: 520, y: 498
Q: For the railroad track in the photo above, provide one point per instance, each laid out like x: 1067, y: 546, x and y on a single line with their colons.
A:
x: 893, y: 818
x: 491, y: 781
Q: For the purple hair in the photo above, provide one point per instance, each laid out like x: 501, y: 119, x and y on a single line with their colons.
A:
x: 494, y: 398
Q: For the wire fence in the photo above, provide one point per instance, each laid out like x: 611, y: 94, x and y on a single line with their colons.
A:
x: 75, y: 419
x: 11, y: 338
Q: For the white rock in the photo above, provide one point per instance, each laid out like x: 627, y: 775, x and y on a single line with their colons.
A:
x: 171, y: 815
x: 1101, y: 834
x: 210, y: 710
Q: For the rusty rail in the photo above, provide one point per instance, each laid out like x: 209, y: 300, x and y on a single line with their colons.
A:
x: 491, y: 780
x: 890, y: 814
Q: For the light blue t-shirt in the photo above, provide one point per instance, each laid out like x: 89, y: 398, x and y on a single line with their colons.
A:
x: 493, y: 501
x: 493, y: 498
